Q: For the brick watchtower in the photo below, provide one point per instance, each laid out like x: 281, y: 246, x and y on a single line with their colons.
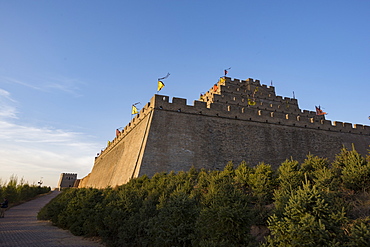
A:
x: 67, y: 180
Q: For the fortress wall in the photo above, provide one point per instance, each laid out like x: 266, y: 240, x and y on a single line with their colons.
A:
x: 243, y: 87
x: 179, y: 140
x: 265, y: 102
x: 84, y: 181
x: 167, y: 136
x: 272, y: 104
x: 305, y: 119
x: 116, y: 164
x: 67, y: 180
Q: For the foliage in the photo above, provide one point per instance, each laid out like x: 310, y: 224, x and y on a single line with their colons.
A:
x: 318, y: 171
x: 313, y: 203
x: 20, y: 191
x: 290, y: 177
x: 354, y: 170
x: 360, y: 233
x: 309, y: 220
x: 179, y: 212
x: 225, y: 216
x: 262, y: 180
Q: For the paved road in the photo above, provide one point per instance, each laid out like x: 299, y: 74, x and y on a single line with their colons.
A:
x: 20, y: 228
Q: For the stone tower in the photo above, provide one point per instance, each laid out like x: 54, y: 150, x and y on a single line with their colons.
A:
x: 236, y: 120
x: 67, y: 180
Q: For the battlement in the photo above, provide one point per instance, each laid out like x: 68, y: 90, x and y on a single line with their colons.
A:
x: 143, y: 113
x: 303, y: 119
x: 238, y: 120
x: 67, y: 180
x: 230, y: 98
x: 249, y: 93
x: 68, y: 174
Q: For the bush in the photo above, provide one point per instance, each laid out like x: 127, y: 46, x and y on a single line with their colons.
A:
x: 289, y: 178
x: 17, y: 192
x: 225, y: 218
x: 309, y: 220
x: 313, y: 203
x: 353, y: 169
x: 174, y: 225
x: 360, y: 234
x: 263, y: 182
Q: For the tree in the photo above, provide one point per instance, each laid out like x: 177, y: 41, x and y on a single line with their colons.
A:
x: 242, y: 173
x: 225, y: 218
x: 353, y: 169
x: 262, y: 181
x: 174, y: 225
x: 360, y: 234
x: 308, y: 219
x: 318, y: 171
x: 290, y: 177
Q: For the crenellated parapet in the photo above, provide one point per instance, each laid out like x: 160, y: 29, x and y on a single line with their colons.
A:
x: 236, y: 120
x: 245, y: 100
x: 249, y: 93
x: 143, y: 113
x: 302, y: 119
x: 69, y: 174
x: 67, y: 180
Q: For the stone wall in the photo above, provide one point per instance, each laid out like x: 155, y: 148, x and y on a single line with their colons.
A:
x: 67, y: 180
x: 222, y: 127
x: 178, y: 140
x: 119, y: 162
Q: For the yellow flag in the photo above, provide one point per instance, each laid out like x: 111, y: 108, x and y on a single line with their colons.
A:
x: 251, y: 102
x: 222, y: 80
x: 160, y: 85
x: 134, y: 110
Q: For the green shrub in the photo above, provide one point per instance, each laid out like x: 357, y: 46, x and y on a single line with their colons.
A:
x: 262, y: 180
x: 353, y: 169
x: 174, y: 225
x: 303, y: 204
x: 359, y: 234
x: 308, y: 220
x: 17, y: 192
x: 289, y: 178
x: 225, y: 217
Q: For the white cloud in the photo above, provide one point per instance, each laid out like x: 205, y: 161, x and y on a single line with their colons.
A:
x: 5, y: 94
x: 6, y: 108
x: 33, y: 152
x: 14, y: 81
x: 67, y: 85
x: 47, y: 84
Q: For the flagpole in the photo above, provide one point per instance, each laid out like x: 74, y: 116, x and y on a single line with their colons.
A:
x: 132, y: 109
x: 226, y: 71
x: 160, y: 83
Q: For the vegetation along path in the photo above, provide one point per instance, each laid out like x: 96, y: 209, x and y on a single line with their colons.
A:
x: 20, y: 227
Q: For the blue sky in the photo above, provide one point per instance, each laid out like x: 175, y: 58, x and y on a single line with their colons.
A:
x: 70, y: 70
